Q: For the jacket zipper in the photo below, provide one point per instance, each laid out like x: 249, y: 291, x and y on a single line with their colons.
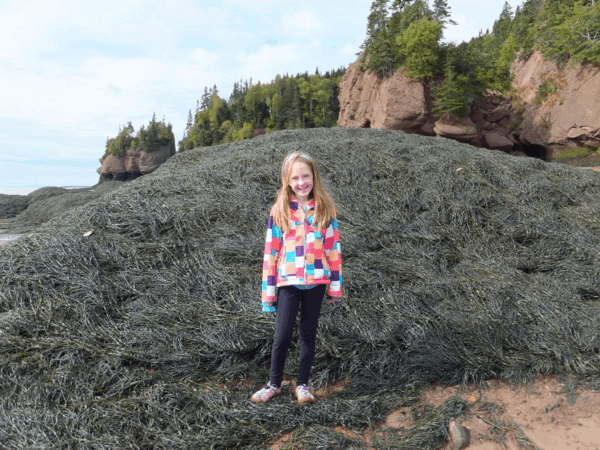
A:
x: 304, y: 244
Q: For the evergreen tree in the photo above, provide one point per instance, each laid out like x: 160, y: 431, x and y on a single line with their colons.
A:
x: 205, y: 99
x: 441, y: 12
x: 451, y: 93
x: 377, y: 44
x: 502, y: 80
x: 502, y: 26
x: 419, y: 45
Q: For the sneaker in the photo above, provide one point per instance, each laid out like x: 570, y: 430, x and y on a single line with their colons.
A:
x: 304, y: 395
x: 265, y: 394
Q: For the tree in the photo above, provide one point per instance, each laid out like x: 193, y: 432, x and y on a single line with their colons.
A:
x: 377, y: 44
x: 189, y: 124
x: 322, y: 94
x: 420, y: 49
x: 502, y: 81
x: 205, y: 99
x: 450, y: 95
x: 244, y: 133
x: 502, y: 26
x: 441, y: 12
x: 252, y: 101
x: 575, y: 32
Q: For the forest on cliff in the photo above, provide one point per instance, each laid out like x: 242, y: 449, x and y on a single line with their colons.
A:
x: 405, y: 35
x: 408, y: 35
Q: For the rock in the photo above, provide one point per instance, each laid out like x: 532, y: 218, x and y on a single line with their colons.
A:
x: 113, y: 167
x: 568, y: 117
x: 578, y: 132
x: 462, y: 130
x: 132, y: 162
x: 458, y: 435
x: 150, y: 161
x: 369, y: 100
x: 498, y: 113
x: 496, y: 142
x: 258, y: 132
x: 135, y: 163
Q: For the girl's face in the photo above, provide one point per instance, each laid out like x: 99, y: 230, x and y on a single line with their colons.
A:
x: 301, y: 181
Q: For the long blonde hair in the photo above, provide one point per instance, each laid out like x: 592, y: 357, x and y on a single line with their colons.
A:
x: 325, y: 208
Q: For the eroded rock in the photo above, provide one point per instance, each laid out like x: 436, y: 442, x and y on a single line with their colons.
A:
x: 135, y: 163
x: 369, y: 100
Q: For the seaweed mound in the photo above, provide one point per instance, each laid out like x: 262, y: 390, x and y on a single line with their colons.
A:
x: 459, y: 264
x: 25, y: 213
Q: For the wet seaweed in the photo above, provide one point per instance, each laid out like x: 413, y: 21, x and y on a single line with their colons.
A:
x: 134, y: 321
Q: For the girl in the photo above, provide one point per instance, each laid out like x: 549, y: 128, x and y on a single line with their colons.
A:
x: 302, y: 256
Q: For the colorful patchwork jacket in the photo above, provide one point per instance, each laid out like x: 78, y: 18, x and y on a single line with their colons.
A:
x: 304, y: 256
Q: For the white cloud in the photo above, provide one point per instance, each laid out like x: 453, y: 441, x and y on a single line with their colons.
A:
x: 302, y: 23
x: 203, y: 57
x: 349, y: 50
x: 270, y: 60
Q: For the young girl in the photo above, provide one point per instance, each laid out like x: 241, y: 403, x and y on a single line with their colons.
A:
x: 302, y: 257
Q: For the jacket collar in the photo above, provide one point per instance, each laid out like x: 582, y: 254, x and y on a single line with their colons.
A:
x: 296, y: 210
x: 295, y: 204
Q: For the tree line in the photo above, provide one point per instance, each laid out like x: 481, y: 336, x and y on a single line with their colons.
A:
x: 287, y: 102
x: 402, y: 35
x: 407, y: 35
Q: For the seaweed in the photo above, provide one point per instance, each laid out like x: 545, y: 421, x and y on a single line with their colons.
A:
x: 134, y: 320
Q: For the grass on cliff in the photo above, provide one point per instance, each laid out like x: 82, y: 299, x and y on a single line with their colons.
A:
x: 459, y: 264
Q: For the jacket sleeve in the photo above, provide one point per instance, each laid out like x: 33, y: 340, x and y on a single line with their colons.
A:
x: 333, y: 253
x: 270, y: 259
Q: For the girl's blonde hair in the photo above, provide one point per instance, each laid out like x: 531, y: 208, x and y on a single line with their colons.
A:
x: 325, y: 208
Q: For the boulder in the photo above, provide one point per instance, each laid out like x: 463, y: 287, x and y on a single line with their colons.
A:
x: 497, y: 142
x: 498, y: 113
x: 462, y: 130
x: 369, y: 100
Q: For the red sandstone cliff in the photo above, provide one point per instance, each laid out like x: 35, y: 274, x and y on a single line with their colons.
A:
x: 568, y: 117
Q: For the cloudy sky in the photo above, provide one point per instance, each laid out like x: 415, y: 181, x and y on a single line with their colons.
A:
x: 72, y: 71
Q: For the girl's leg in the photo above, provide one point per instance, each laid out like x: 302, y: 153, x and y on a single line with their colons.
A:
x: 309, y: 319
x: 288, y: 301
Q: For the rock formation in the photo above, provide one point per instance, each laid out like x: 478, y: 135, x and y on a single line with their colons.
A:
x: 568, y: 117
x: 369, y: 100
x: 135, y: 163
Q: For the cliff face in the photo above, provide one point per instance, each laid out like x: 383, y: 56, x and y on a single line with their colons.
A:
x: 369, y: 100
x: 552, y: 107
x: 561, y: 106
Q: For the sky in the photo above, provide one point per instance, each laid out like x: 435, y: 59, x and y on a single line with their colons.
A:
x: 72, y: 72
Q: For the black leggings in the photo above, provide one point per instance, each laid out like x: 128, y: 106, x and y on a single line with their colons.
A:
x: 289, y: 300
